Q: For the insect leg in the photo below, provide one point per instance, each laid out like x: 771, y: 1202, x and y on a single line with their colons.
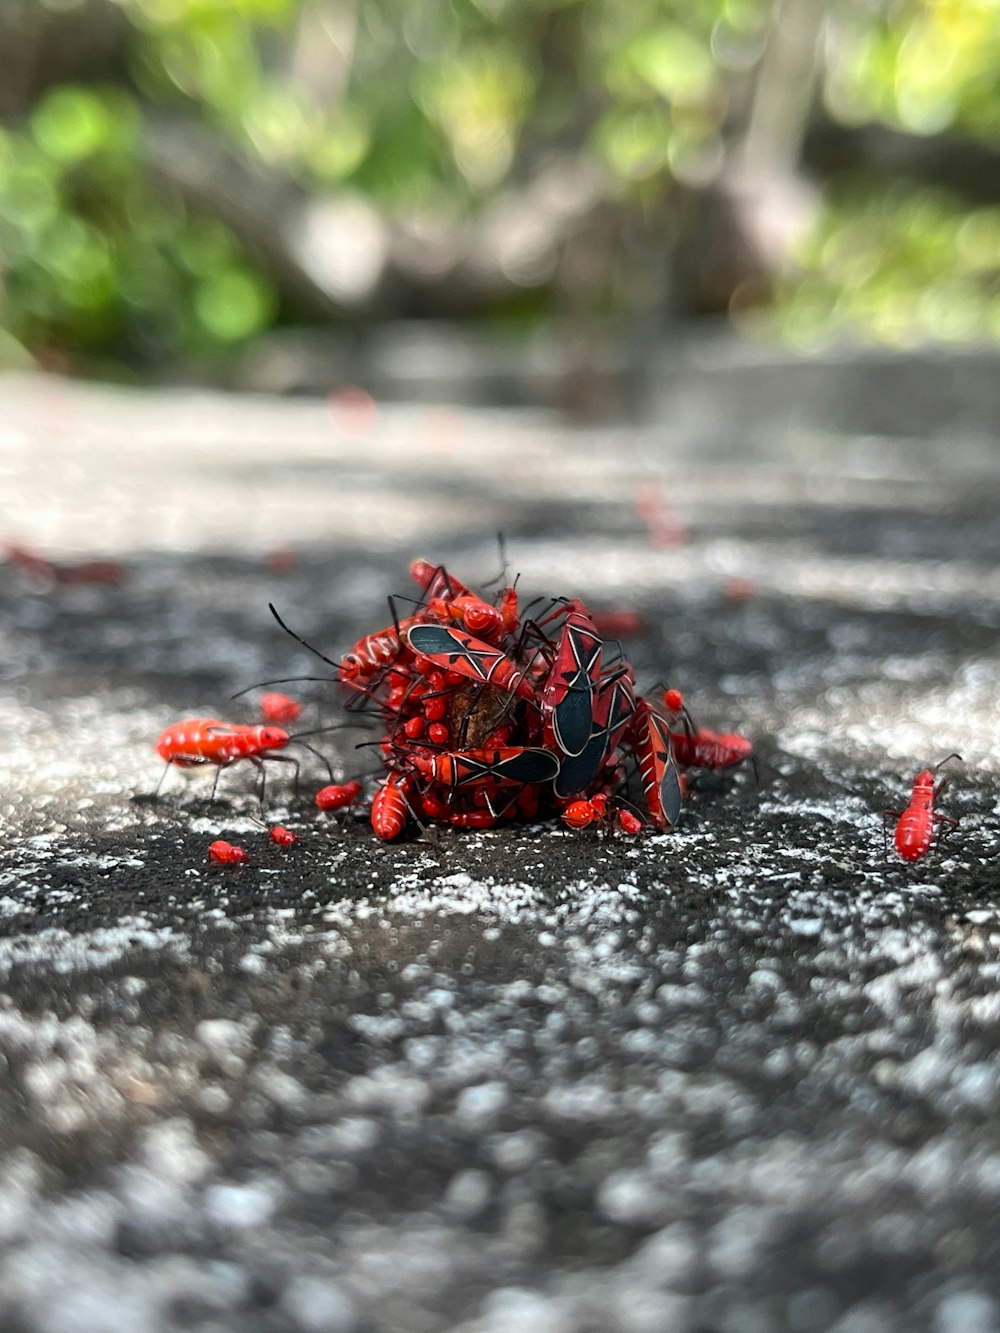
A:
x: 288, y: 759
x: 946, y: 825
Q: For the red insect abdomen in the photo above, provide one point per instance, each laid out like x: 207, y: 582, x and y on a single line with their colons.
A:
x: 389, y: 811
x: 338, y: 795
x: 914, y: 834
x: 188, y: 743
x: 579, y: 814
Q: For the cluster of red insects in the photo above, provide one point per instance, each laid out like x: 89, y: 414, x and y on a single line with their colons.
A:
x: 490, y: 715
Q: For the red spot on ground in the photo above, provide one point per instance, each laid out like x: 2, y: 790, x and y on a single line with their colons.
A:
x: 354, y: 412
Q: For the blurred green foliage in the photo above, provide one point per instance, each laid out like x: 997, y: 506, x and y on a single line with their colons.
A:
x: 97, y: 263
x: 923, y: 65
x: 434, y: 103
x: 897, y: 265
x: 894, y: 262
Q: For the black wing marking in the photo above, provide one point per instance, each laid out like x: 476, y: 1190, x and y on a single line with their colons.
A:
x: 578, y: 772
x: 531, y: 765
x: 573, y: 719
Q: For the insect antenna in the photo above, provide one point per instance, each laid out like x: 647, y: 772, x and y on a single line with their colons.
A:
x: 395, y: 597
x: 557, y: 606
x: 532, y: 632
x: 281, y: 680
x: 391, y: 602
x: 334, y: 726
x: 534, y: 601
x: 502, y: 552
x: 298, y: 738
x: 299, y: 639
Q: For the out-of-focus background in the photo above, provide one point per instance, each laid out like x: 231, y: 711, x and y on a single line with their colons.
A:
x: 245, y: 192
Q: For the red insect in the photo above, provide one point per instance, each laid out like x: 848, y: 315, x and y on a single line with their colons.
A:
x: 370, y: 655
x: 390, y: 808
x: 452, y: 650
x: 660, y: 778
x: 477, y: 616
x: 629, y: 823
x: 699, y: 747
x: 338, y: 795
x: 580, y: 814
x: 917, y: 823
x: 225, y: 853
x: 206, y: 740
x: 375, y: 653
x: 278, y: 707
x: 512, y: 764
x: 621, y: 624
x: 508, y: 609
x: 52, y: 572
x: 476, y: 819
x: 282, y: 836
x: 653, y: 506
x: 710, y: 749
x: 435, y: 581
x: 568, y: 691
x: 446, y: 597
x: 281, y: 561
x: 739, y: 589
x: 597, y: 810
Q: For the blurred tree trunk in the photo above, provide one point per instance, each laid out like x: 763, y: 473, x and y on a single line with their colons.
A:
x: 40, y: 47
x: 739, y: 230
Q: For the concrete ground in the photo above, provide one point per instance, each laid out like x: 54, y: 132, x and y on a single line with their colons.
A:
x: 742, y: 1078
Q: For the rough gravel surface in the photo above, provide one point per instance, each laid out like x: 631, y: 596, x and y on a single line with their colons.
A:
x: 743, y: 1078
